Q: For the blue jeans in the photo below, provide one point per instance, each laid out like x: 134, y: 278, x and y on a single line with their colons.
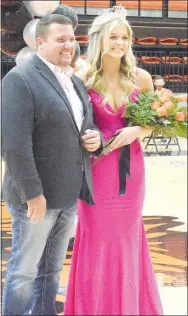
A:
x: 37, y: 257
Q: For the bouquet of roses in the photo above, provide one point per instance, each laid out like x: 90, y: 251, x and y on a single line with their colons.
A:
x: 162, y: 115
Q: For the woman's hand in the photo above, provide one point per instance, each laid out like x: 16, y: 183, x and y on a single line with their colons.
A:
x: 128, y: 134
x: 125, y: 137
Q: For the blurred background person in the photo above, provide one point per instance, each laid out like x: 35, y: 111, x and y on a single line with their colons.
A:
x: 159, y: 87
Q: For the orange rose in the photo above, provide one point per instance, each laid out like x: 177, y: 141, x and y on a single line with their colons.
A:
x: 181, y: 97
x: 164, y: 99
x: 155, y: 105
x: 180, y: 116
x: 161, y: 111
x: 168, y: 105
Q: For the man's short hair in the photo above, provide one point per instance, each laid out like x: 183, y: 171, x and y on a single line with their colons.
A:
x: 44, y: 23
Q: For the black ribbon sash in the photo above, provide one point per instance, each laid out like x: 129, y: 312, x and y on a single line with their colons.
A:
x: 124, y: 168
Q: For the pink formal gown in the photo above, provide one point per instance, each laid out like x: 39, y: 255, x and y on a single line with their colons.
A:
x: 111, y: 271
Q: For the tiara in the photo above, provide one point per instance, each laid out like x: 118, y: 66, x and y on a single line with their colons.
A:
x: 118, y: 11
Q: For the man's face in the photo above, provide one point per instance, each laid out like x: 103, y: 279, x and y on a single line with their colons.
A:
x: 58, y: 45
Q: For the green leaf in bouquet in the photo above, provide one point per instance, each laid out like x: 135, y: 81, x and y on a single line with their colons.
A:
x: 174, y: 124
x: 174, y: 100
x: 173, y: 129
x: 165, y: 131
x: 181, y: 130
x: 183, y: 109
x: 172, y: 112
x: 147, y: 97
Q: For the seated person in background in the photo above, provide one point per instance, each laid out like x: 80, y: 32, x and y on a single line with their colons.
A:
x: 160, y: 90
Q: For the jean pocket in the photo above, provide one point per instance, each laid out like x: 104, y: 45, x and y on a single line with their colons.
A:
x: 13, y: 210
x: 23, y: 211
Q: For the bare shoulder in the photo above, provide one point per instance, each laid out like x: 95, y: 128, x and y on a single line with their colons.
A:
x: 82, y: 68
x: 82, y: 74
x: 142, y: 74
x: 144, y: 80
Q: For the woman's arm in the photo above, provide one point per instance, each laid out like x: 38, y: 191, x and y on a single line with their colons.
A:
x: 145, y: 83
x: 144, y: 80
x: 128, y: 134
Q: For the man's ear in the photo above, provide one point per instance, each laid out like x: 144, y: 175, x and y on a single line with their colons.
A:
x: 39, y: 42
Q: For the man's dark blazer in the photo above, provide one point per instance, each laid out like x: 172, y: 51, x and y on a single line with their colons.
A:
x: 41, y: 144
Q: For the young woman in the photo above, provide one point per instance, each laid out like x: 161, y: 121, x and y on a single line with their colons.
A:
x: 111, y: 272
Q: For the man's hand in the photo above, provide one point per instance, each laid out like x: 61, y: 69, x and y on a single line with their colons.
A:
x: 91, y: 140
x: 36, y: 208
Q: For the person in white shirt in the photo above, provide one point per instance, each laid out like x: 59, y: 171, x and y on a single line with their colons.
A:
x: 160, y: 90
x: 48, y: 136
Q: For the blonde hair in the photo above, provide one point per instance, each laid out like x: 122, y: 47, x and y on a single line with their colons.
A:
x: 101, y: 29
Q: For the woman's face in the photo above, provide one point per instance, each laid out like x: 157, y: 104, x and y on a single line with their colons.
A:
x: 118, y: 42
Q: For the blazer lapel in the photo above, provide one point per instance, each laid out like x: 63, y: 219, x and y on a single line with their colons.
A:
x: 83, y: 97
x: 49, y: 75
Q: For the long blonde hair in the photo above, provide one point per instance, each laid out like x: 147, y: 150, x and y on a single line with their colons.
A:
x: 101, y: 29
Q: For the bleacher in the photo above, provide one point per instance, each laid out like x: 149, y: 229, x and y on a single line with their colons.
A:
x: 173, y: 5
x: 160, y: 35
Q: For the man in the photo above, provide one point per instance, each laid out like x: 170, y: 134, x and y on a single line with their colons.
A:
x: 47, y: 140
x: 160, y: 90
